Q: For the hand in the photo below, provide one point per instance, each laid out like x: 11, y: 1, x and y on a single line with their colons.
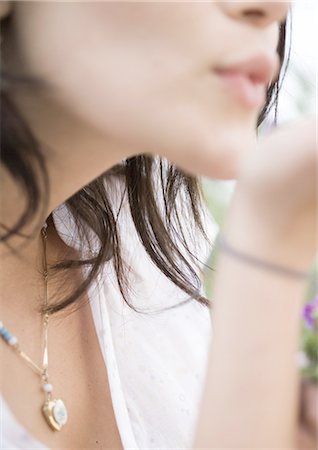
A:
x: 307, y: 433
x: 278, y: 183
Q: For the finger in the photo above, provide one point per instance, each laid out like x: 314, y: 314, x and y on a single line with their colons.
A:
x: 305, y: 441
x: 310, y: 412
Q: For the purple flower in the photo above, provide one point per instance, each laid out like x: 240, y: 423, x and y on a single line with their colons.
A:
x: 310, y: 313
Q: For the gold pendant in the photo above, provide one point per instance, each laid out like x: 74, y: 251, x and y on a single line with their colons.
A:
x: 55, y: 413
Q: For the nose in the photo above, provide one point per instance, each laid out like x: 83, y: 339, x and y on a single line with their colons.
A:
x: 261, y: 13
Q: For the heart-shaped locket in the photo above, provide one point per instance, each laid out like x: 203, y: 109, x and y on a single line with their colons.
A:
x: 55, y: 413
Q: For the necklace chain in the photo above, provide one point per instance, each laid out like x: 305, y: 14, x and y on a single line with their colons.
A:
x: 15, y: 344
x: 45, y: 360
x: 54, y: 411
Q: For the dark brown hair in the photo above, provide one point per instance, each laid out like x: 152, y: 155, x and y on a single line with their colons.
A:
x: 160, y: 229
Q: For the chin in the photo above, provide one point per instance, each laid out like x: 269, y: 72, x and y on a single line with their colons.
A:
x: 222, y: 153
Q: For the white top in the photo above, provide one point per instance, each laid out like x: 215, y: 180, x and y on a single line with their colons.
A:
x: 156, y: 363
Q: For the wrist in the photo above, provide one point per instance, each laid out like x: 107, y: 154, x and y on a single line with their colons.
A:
x: 252, y: 229
x: 250, y: 259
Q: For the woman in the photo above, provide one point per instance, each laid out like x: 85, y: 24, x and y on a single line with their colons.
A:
x: 87, y: 87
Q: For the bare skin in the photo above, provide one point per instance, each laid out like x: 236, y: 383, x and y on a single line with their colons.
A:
x: 88, y: 138
x: 76, y: 365
x: 258, y: 330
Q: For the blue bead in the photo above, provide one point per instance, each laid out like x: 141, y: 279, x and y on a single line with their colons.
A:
x: 3, y: 330
x: 7, y: 335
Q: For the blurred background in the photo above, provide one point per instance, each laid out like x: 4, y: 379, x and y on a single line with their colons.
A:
x: 298, y: 98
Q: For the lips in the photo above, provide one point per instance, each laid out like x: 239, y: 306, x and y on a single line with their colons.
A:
x: 249, y: 92
x: 247, y: 81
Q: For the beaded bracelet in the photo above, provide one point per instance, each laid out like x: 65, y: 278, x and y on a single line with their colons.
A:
x: 227, y: 248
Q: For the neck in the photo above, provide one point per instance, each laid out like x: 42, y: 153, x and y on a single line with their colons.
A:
x: 21, y: 274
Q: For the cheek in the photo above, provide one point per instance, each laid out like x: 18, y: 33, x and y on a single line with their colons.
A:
x: 148, y: 95
x: 172, y: 112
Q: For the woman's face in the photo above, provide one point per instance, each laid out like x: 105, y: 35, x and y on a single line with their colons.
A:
x: 144, y: 73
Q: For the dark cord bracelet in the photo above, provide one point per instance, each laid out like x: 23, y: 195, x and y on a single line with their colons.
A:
x: 225, y: 247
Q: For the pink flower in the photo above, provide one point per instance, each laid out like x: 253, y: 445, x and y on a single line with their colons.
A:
x: 310, y: 313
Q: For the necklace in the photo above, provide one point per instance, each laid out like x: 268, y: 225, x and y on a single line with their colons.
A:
x: 53, y: 410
